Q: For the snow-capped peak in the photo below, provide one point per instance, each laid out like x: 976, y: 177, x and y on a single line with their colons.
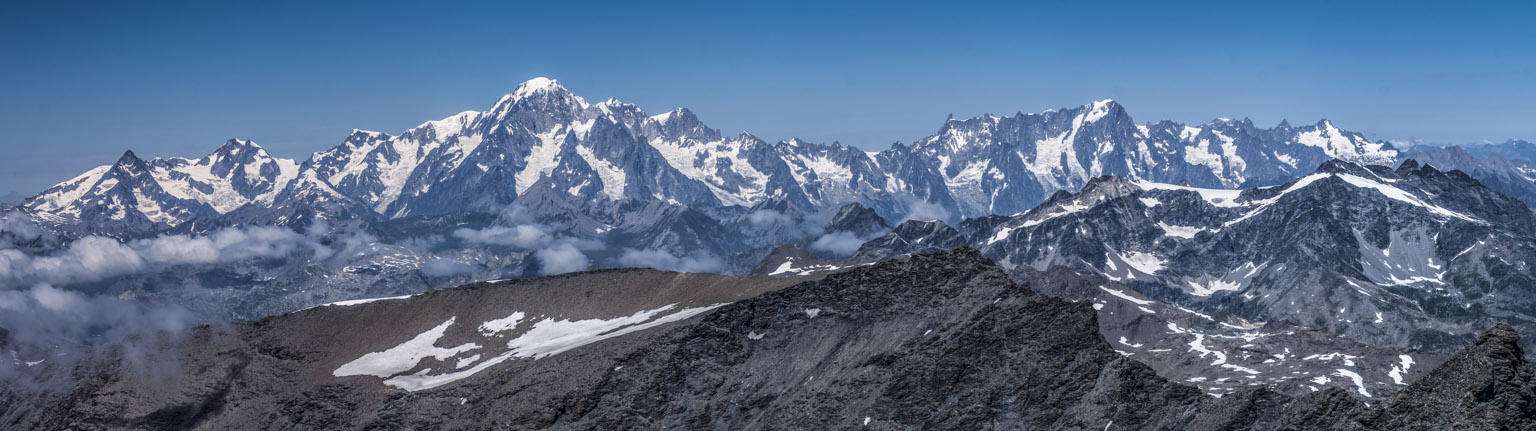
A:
x: 542, y: 85
x: 545, y: 89
x: 238, y: 144
x: 1098, y: 110
x: 667, y: 116
x: 451, y: 125
x: 239, y: 148
x: 529, y: 87
x: 129, y: 159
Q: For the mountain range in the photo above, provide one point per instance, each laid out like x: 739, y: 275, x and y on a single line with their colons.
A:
x: 1507, y: 168
x: 1290, y: 268
x: 1414, y: 257
x: 543, y: 137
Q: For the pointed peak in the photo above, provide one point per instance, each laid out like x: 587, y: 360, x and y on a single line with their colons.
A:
x: 1103, y: 104
x: 130, y: 163
x: 237, y: 145
x: 238, y: 149
x: 1284, y: 124
x: 1099, y: 109
x: 359, y: 136
x: 1500, y: 333
x: 680, y: 113
x: 129, y: 158
x: 1335, y: 166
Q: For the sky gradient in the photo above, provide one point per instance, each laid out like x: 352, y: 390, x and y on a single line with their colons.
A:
x: 80, y: 83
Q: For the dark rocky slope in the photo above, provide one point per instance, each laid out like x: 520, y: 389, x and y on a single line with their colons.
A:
x: 942, y: 340
x: 1488, y: 385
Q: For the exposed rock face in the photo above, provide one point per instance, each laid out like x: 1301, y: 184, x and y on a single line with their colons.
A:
x: 858, y: 220
x: 944, y: 340
x: 1489, y: 385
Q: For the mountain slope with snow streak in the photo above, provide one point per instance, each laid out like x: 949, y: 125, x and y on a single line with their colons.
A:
x: 1411, y: 257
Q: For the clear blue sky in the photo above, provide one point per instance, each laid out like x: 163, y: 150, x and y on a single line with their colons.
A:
x: 80, y: 83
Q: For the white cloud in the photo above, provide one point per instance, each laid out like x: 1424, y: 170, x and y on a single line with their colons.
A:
x: 560, y: 258
x: 924, y: 211
x: 95, y: 258
x: 17, y: 229
x: 658, y: 259
x: 56, y: 327
x: 528, y: 236
x: 840, y: 243
x: 765, y: 218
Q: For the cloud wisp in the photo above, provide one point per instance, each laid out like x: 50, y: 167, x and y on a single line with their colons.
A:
x: 47, y: 330
x: 95, y: 258
x: 658, y: 259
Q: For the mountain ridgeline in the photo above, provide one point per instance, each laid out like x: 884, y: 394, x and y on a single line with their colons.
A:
x: 542, y: 139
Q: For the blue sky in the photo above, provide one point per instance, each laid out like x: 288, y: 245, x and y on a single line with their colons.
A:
x: 80, y: 83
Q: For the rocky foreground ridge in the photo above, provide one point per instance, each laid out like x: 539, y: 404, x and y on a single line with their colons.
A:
x: 942, y: 340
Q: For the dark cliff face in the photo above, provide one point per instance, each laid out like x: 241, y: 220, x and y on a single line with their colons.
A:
x: 942, y: 340
x: 1488, y: 385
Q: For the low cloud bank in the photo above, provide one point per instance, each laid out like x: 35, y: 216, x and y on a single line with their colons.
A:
x: 921, y: 210
x: 840, y: 243
x: 765, y: 218
x: 556, y: 253
x: 561, y: 258
x: 95, y: 258
x: 658, y: 259
x: 47, y: 330
x: 527, y: 236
